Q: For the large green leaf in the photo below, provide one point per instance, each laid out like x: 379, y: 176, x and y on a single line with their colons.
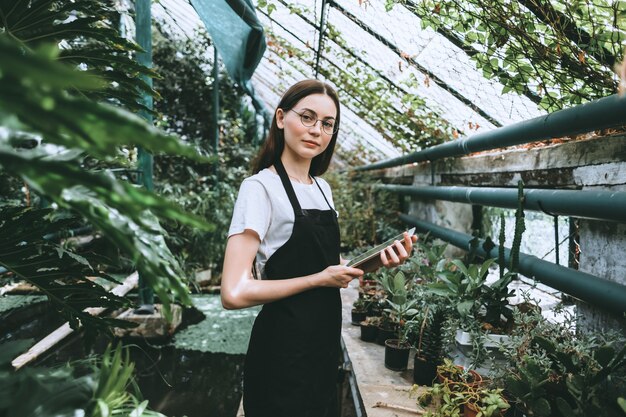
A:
x: 88, y: 31
x: 57, y: 272
x: 122, y: 211
x: 39, y: 99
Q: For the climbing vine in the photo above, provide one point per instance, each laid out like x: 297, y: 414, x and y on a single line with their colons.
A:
x: 560, y: 53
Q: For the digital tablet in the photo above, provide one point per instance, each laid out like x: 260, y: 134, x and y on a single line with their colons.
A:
x: 370, y: 260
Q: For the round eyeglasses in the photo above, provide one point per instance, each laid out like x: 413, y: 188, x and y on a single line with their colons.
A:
x: 309, y: 119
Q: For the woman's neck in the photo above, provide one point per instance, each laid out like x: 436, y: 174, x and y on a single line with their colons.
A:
x: 297, y: 168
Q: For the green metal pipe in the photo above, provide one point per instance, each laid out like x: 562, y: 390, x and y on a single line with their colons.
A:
x: 597, y: 291
x: 599, y: 114
x: 215, y: 129
x: 600, y: 205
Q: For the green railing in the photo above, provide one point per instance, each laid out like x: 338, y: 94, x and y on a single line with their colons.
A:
x: 601, y: 205
x: 594, y: 290
x: 600, y: 114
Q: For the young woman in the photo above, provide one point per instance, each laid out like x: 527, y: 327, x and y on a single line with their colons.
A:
x: 284, y: 222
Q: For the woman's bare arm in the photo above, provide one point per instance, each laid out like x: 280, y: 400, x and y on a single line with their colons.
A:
x: 241, y: 290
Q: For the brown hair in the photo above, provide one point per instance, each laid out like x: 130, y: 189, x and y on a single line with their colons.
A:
x: 275, y: 142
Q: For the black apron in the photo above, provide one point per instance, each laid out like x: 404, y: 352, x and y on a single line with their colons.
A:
x: 291, y: 365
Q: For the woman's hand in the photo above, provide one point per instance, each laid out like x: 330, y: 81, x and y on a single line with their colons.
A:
x: 338, y: 276
x: 396, y: 253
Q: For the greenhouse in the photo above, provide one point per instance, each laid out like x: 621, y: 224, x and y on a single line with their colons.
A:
x: 179, y: 236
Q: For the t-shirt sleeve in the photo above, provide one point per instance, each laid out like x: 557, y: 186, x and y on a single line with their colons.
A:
x: 252, y: 210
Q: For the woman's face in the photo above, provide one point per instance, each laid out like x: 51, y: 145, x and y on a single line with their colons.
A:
x: 303, y: 141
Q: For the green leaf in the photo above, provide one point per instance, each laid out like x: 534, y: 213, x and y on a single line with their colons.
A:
x: 604, y: 354
x: 565, y: 408
x: 541, y: 407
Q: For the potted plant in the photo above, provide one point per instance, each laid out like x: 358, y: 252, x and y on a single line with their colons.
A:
x: 453, y: 400
x: 485, y: 402
x: 359, y: 310
x: 386, y: 328
x: 457, y: 375
x: 429, y: 346
x: 440, y: 401
x: 394, y: 288
x: 369, y: 329
x: 397, y: 350
x: 554, y: 370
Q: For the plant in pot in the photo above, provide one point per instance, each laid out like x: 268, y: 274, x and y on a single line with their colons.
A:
x: 395, y: 291
x: 359, y: 310
x: 386, y: 328
x: 439, y: 401
x: 429, y: 344
x: 457, y: 376
x: 447, y: 400
x: 556, y: 370
x: 397, y: 349
x: 485, y: 402
x: 369, y: 329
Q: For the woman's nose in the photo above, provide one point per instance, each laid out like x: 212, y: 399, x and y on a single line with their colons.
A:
x: 317, y: 127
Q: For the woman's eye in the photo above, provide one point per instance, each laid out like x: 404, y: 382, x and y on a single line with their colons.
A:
x: 329, y: 125
x: 307, y: 117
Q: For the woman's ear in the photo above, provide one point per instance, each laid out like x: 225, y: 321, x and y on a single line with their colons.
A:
x: 280, y: 116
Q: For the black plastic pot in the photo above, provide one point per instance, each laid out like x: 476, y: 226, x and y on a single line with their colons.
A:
x: 368, y: 333
x: 358, y: 317
x: 384, y: 334
x: 424, y: 373
x: 396, y: 355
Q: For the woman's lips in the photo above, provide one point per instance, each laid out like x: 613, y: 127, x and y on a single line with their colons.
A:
x: 310, y: 143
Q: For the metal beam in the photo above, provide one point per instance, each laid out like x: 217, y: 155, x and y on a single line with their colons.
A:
x: 321, y: 30
x: 599, y: 205
x: 597, y: 291
x: 143, y: 22
x: 595, y: 115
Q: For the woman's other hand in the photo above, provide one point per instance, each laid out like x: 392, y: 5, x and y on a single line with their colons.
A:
x: 338, y: 276
x: 398, y: 252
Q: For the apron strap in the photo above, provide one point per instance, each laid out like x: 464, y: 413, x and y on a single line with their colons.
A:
x: 324, y: 195
x: 280, y: 169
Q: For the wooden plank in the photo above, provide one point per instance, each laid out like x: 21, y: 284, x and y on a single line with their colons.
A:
x: 65, y: 330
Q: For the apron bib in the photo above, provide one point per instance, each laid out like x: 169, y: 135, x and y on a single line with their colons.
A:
x: 291, y: 365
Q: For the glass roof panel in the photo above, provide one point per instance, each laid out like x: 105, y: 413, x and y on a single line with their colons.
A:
x: 442, y: 74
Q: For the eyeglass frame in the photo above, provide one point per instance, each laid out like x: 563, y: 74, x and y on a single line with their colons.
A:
x: 335, y: 125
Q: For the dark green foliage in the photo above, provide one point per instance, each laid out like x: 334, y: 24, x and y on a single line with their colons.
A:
x: 207, y: 190
x: 496, y: 295
x: 59, y: 273
x: 34, y: 392
x: 556, y: 372
x: 97, y: 389
x: 35, y: 100
x: 430, y: 344
x: 89, y: 28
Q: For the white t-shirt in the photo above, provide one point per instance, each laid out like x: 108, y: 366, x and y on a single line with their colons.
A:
x: 263, y: 206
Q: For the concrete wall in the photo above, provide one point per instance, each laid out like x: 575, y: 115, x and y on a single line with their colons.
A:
x: 592, y: 164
